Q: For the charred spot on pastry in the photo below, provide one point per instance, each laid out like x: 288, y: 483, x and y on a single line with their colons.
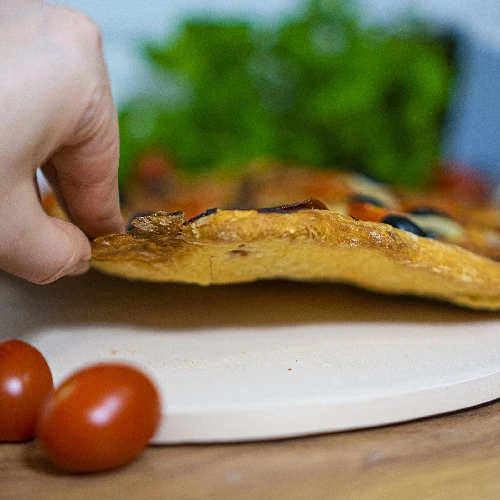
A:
x: 239, y: 252
x: 210, y: 211
x: 309, y: 204
x: 362, y: 198
x: 405, y: 224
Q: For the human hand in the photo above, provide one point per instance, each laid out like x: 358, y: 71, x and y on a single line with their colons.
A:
x: 58, y: 113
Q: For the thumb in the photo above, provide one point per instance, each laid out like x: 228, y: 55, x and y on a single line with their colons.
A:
x: 40, y: 248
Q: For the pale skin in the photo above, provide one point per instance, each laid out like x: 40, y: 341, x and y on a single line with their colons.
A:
x: 56, y: 113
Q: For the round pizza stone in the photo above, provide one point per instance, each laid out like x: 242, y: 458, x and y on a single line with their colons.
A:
x: 265, y: 360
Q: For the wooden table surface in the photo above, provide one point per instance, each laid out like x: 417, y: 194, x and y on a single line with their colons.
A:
x: 453, y: 457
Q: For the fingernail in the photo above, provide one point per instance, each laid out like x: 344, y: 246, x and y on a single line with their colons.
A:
x: 81, y: 268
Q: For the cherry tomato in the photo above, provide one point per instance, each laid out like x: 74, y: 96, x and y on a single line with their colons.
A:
x: 99, y: 418
x: 25, y: 382
x: 367, y: 211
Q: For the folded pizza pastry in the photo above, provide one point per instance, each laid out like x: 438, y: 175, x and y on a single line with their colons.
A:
x: 307, y: 241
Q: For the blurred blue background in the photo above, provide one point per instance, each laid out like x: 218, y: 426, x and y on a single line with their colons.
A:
x: 473, y: 131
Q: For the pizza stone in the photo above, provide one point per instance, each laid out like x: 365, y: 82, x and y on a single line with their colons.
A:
x: 237, y: 246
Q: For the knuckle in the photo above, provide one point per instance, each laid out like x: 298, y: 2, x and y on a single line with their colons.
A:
x: 89, y: 34
x: 79, y: 58
x: 80, y: 31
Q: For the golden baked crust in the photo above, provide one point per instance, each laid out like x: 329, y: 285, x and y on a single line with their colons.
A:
x: 233, y: 246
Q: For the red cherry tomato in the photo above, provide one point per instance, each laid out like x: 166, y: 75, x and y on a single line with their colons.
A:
x: 99, y: 418
x: 25, y: 382
x: 367, y: 211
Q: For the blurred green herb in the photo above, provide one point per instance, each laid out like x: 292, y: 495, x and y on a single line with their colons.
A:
x: 321, y: 87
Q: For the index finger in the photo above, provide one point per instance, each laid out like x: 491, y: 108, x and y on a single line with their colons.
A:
x: 87, y: 168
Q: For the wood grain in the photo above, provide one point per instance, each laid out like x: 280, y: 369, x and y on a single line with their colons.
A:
x: 455, y: 457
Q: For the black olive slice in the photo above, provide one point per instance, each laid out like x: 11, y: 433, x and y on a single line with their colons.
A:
x: 210, y: 211
x: 404, y: 224
x: 428, y: 211
x: 363, y: 198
